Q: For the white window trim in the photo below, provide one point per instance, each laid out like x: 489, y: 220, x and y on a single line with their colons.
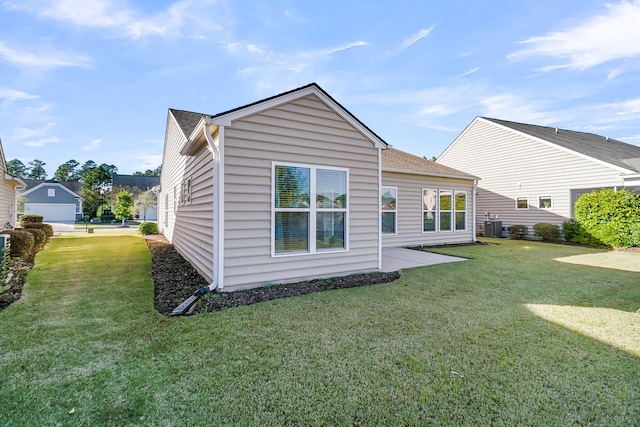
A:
x: 186, y: 191
x: 313, y: 209
x: 452, y: 211
x: 528, y: 203
x: 545, y: 197
x: 435, y: 211
x: 455, y: 211
x: 395, y: 224
x: 51, y: 192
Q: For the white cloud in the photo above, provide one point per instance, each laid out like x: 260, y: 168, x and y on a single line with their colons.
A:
x: 15, y: 95
x: 407, y: 43
x: 149, y: 162
x: 611, y: 36
x: 191, y: 16
x: 43, y: 57
x: 471, y: 71
x: 42, y: 142
x: 508, y: 106
x: 92, y: 145
x: 25, y: 133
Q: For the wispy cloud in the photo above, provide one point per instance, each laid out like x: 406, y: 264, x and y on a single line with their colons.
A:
x: 611, y: 36
x: 189, y: 18
x: 15, y: 95
x: 42, y: 142
x: 43, y: 57
x: 407, y: 43
x: 149, y: 162
x: 25, y: 133
x: 92, y: 145
x: 471, y: 71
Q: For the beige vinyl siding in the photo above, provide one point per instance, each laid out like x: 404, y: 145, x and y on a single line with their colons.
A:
x: 304, y: 131
x: 409, y: 210
x: 512, y: 165
x: 7, y: 202
x: 191, y: 230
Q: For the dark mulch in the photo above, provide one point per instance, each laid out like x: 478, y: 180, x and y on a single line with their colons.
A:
x: 175, y: 280
x: 14, y: 277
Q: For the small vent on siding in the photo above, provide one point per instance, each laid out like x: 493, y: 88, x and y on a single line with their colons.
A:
x: 556, y: 129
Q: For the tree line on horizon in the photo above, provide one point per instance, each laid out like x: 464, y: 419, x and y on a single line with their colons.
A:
x: 96, y: 179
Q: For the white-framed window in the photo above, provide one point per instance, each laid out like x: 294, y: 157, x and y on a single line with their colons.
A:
x: 522, y: 203
x: 429, y: 210
x: 186, y: 191
x: 166, y: 210
x: 295, y: 216
x: 445, y: 208
x: 388, y: 199
x: 460, y: 207
x: 545, y: 202
x: 176, y: 198
x: 51, y: 192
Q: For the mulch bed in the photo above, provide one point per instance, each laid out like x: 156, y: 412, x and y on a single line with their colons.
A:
x: 175, y: 280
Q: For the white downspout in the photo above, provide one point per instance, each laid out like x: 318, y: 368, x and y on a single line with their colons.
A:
x: 475, y: 190
x: 380, y: 209
x: 218, y: 204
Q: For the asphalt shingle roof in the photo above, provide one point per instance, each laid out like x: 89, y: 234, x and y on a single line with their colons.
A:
x: 599, y: 147
x: 187, y: 120
x: 74, y: 186
x: 144, y: 183
x: 399, y: 160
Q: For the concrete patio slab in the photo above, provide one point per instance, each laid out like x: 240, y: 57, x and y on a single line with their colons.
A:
x: 394, y: 259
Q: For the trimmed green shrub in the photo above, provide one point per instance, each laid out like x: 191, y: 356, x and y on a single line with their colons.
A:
x: 611, y: 217
x: 31, y: 219
x: 22, y: 243
x: 575, y: 233
x: 518, y: 232
x: 47, y: 228
x: 547, y: 232
x: 39, y: 236
x: 148, y: 228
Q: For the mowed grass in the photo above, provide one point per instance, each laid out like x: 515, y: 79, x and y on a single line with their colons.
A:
x: 452, y: 344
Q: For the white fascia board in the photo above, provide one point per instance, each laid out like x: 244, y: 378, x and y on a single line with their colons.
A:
x: 558, y: 147
x: 196, y: 138
x: 227, y: 119
x: 434, y: 174
x: 51, y: 184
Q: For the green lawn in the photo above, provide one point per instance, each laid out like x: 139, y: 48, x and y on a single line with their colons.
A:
x: 500, y: 339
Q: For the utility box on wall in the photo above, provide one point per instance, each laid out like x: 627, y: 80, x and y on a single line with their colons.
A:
x: 5, y: 246
x: 493, y: 228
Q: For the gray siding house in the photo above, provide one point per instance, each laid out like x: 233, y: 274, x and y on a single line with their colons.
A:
x: 55, y: 201
x: 532, y: 174
x: 289, y: 188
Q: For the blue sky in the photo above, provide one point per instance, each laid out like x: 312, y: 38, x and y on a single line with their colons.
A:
x: 92, y: 80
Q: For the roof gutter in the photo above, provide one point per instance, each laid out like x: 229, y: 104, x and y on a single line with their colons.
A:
x: 425, y: 173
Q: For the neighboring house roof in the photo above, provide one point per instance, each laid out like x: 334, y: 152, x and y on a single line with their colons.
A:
x: 394, y: 160
x: 189, y: 121
x: 72, y: 186
x: 144, y: 183
x: 599, y: 147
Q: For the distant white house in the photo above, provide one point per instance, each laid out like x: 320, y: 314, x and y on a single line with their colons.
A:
x: 142, y: 184
x: 295, y: 186
x: 55, y: 201
x: 531, y: 174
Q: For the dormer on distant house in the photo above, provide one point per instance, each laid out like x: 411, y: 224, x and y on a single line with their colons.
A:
x: 532, y: 174
x: 55, y: 201
x: 8, y: 194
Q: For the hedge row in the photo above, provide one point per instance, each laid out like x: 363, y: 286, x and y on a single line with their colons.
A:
x: 28, y: 240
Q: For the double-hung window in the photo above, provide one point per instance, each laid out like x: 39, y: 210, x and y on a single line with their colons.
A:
x: 389, y: 209
x: 308, y: 199
x: 444, y: 210
x: 460, y: 210
x: 429, y: 200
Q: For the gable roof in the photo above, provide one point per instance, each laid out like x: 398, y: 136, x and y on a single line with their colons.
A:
x: 599, y: 147
x: 394, y: 160
x: 143, y: 183
x: 71, y: 186
x: 189, y: 121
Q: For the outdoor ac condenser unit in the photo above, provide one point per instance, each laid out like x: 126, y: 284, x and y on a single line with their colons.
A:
x: 5, y: 246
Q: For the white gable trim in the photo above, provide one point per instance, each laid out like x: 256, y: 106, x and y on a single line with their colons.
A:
x: 556, y: 146
x: 228, y: 118
x: 52, y: 184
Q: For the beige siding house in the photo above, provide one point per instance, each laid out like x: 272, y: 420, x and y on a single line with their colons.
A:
x: 532, y: 174
x: 432, y: 204
x: 9, y: 187
x: 280, y: 190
